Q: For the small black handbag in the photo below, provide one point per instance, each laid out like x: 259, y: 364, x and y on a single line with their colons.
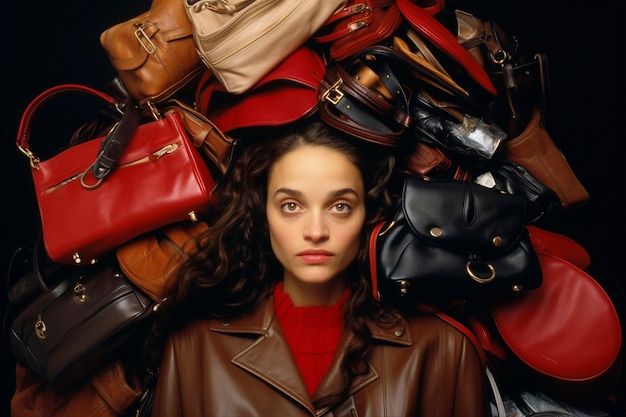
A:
x: 452, y: 239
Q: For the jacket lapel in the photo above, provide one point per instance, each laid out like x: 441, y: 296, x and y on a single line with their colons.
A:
x: 268, y: 356
x: 395, y: 334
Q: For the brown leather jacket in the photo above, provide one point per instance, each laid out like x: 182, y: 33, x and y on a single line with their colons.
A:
x: 422, y: 367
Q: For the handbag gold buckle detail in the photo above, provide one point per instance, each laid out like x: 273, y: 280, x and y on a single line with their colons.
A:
x: 333, y: 94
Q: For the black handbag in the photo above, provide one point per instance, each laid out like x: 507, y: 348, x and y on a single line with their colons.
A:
x: 541, y: 202
x: 64, y: 322
x: 452, y: 239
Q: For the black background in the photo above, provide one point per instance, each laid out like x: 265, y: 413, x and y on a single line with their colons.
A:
x: 49, y: 43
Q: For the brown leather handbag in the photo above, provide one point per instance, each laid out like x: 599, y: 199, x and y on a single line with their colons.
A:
x: 149, y: 260
x: 154, y: 53
x: 69, y: 331
x: 535, y: 150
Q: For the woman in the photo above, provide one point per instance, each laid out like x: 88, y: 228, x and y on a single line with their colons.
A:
x: 274, y: 315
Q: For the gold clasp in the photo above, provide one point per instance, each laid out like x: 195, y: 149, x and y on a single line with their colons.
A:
x: 31, y: 157
x: 40, y: 328
x: 333, y: 94
x: 80, y: 292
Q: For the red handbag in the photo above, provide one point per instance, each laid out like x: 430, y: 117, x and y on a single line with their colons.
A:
x: 567, y: 330
x: 159, y: 178
x: 287, y: 94
x: 359, y: 24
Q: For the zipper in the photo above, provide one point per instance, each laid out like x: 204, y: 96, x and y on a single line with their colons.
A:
x: 152, y: 157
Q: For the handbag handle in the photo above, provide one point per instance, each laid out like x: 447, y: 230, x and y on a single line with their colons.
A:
x: 113, y: 145
x: 440, y: 36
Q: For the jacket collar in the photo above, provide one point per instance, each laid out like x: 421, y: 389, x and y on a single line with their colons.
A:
x: 269, y: 358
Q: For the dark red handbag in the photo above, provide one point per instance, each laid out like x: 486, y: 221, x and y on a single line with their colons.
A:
x: 287, y: 94
x: 359, y: 24
x: 158, y: 179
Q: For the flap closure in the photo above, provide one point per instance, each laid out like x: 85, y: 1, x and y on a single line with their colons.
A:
x: 463, y: 216
x: 129, y: 44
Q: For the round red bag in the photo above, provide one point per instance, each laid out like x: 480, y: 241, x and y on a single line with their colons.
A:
x: 568, y: 329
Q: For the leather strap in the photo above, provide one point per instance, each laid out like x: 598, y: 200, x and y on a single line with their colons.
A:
x: 215, y: 144
x: 394, y: 111
x: 428, y: 26
x: 116, y: 141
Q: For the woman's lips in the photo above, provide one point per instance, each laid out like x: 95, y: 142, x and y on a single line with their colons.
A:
x: 313, y: 257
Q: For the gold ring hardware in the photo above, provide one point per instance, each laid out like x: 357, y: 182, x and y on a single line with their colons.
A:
x: 80, y: 292
x: 491, y: 277
x: 89, y: 186
x: 40, y: 328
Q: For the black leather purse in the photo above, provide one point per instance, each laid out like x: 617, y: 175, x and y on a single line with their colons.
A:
x: 452, y: 239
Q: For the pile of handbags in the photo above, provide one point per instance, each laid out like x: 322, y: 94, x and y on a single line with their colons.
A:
x: 454, y: 95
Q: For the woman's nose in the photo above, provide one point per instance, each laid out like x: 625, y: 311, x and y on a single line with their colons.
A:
x: 316, y: 228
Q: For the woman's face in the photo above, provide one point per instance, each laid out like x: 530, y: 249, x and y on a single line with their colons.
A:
x: 315, y: 211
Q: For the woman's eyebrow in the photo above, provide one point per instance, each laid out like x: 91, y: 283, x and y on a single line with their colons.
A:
x: 343, y: 191
x: 288, y: 191
x: 334, y: 193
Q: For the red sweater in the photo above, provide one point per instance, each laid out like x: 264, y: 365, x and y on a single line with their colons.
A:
x: 312, y: 333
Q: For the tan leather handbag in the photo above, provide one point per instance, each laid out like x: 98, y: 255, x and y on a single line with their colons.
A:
x: 243, y: 40
x: 149, y: 260
x: 535, y: 150
x: 154, y: 53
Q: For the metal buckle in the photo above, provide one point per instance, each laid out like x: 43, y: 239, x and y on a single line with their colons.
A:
x: 144, y: 40
x: 333, y: 94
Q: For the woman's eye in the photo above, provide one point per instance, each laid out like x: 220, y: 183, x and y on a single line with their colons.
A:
x: 341, y: 208
x: 290, y: 207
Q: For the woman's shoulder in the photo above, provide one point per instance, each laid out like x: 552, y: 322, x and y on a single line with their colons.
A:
x: 442, y: 328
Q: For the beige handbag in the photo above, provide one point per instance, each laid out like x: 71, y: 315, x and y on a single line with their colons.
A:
x: 243, y: 40
x: 154, y: 53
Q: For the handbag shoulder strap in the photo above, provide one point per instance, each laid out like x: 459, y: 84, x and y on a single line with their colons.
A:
x: 116, y: 141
